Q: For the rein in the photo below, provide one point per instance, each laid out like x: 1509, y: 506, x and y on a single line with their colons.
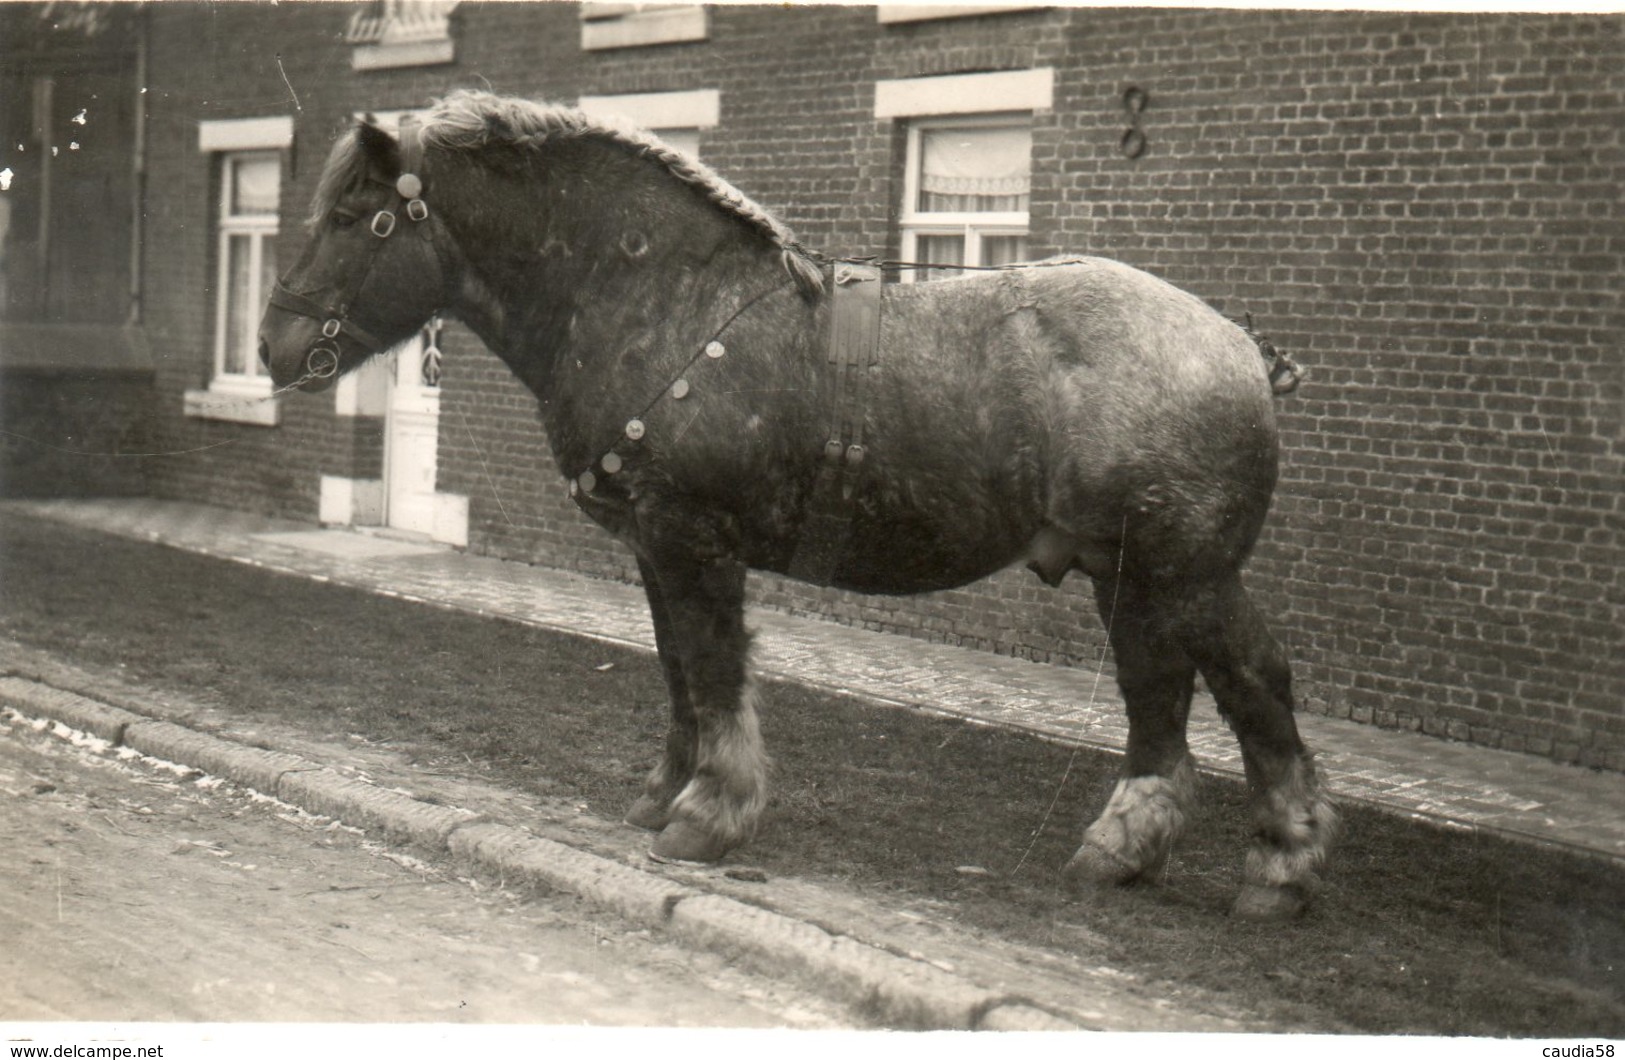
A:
x: 322, y: 359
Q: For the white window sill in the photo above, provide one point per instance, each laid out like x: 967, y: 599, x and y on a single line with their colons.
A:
x: 889, y: 14
x: 1002, y: 90
x: 636, y: 29
x: 249, y: 401
x: 405, y: 53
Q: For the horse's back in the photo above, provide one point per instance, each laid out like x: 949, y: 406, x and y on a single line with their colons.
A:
x: 1143, y: 406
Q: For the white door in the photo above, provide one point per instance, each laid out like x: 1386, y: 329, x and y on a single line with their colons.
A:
x: 411, y: 434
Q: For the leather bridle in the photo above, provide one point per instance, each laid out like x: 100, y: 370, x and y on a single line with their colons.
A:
x: 322, y: 359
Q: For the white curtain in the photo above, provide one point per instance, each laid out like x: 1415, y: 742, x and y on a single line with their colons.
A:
x: 255, y: 183
x: 975, y: 170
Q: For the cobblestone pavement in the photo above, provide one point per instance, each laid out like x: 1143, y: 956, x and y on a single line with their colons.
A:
x: 1454, y: 784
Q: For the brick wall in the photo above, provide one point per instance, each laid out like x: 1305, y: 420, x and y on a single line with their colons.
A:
x: 1422, y: 209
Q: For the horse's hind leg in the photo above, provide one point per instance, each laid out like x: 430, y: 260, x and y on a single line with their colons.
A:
x: 1247, y: 672
x: 702, y: 588
x: 652, y: 810
x: 1132, y: 837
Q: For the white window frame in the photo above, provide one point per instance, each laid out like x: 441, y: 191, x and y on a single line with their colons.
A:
x: 236, y: 396
x: 973, y: 226
x: 260, y: 229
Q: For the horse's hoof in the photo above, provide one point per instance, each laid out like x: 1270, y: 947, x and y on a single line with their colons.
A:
x: 1094, y: 864
x: 684, y: 841
x: 650, y: 814
x: 1262, y: 902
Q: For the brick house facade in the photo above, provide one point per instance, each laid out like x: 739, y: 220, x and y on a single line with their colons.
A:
x: 1423, y: 209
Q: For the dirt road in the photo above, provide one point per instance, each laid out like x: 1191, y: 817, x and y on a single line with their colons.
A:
x: 128, y: 893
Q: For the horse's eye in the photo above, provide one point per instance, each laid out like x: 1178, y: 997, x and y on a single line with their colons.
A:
x: 344, y: 218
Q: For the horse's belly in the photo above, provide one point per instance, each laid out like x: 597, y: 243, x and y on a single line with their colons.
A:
x: 900, y: 556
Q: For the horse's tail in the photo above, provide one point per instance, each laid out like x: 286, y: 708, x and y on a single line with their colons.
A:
x: 1285, y: 374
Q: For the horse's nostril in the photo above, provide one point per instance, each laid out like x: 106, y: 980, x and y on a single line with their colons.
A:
x: 265, y: 353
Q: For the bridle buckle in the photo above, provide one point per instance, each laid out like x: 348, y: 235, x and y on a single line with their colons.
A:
x: 383, y: 223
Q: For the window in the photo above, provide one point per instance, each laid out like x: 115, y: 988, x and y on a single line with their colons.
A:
x: 247, y: 157
x: 250, y: 189
x: 968, y: 174
x: 966, y: 193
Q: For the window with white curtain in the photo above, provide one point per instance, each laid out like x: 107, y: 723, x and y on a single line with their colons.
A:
x: 966, y: 193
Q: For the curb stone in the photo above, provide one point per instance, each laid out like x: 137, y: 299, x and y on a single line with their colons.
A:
x: 319, y: 790
x: 881, y: 985
x: 898, y: 991
x: 74, y: 711
x: 642, y: 897
x: 250, y: 766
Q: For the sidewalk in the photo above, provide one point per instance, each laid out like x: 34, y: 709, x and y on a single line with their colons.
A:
x: 1453, y: 784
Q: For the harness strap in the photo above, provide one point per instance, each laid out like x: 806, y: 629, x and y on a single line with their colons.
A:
x: 335, y: 319
x: 294, y: 302
x: 854, y: 349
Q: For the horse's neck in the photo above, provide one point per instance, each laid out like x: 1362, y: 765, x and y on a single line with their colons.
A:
x: 597, y: 276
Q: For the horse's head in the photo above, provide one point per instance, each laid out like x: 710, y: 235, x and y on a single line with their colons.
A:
x: 377, y: 266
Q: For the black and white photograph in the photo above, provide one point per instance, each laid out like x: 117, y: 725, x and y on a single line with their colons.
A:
x: 921, y: 528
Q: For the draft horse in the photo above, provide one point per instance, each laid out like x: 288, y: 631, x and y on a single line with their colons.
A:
x: 1074, y: 415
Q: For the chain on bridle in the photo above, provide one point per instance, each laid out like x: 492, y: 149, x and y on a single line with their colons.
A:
x: 322, y: 359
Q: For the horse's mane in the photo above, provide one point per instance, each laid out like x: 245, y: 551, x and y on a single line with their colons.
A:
x: 470, y: 120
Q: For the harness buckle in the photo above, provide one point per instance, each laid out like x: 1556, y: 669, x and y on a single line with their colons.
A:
x: 331, y: 328
x: 417, y: 210
x: 383, y: 223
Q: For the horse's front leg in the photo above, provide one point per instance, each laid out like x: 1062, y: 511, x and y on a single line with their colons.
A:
x: 671, y: 775
x: 715, y: 748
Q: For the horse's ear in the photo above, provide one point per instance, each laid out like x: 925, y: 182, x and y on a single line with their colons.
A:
x: 377, y: 145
